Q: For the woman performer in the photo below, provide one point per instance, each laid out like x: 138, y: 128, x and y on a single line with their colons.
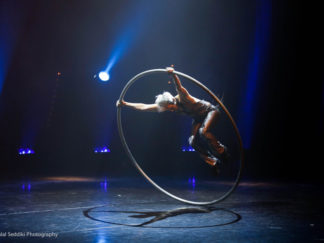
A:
x: 203, y: 113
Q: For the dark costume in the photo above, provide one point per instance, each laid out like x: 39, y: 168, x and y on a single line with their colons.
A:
x: 198, y: 111
x: 204, y: 115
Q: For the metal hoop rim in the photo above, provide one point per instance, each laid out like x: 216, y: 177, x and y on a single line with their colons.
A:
x: 132, y: 158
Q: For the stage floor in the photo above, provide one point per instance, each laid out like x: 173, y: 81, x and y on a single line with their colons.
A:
x: 79, y: 209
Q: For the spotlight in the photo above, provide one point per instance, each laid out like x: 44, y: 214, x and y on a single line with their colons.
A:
x: 104, y: 76
x: 25, y: 151
x: 103, y: 149
x: 187, y: 149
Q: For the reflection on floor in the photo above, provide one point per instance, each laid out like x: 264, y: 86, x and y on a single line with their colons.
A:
x: 78, y: 209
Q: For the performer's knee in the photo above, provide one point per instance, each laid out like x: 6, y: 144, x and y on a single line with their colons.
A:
x: 203, y: 131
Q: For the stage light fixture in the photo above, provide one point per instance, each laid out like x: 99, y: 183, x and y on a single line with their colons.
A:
x: 103, y: 149
x: 104, y: 76
x: 187, y: 149
x: 25, y: 151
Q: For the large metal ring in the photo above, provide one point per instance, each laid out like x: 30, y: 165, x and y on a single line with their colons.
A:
x: 132, y: 158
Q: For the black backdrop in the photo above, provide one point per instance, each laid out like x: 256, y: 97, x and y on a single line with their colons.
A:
x: 65, y: 118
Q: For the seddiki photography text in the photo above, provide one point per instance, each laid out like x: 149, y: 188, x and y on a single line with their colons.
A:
x: 29, y: 234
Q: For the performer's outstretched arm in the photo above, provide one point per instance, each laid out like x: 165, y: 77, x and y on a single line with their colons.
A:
x: 182, y: 92
x: 139, y: 106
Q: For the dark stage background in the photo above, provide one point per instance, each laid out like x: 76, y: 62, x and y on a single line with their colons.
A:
x: 263, y: 57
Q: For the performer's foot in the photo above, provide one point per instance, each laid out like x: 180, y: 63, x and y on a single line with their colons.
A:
x: 220, y: 151
x: 211, y: 160
x: 214, y: 162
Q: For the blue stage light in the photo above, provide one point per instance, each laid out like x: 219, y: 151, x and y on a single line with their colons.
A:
x: 130, y: 26
x: 187, y: 149
x: 104, y: 184
x: 192, y: 182
x: 104, y: 76
x: 25, y: 151
x: 26, y: 188
x: 103, y: 149
x: 248, y: 110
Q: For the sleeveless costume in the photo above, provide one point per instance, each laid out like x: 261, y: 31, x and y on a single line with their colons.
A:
x: 197, y: 111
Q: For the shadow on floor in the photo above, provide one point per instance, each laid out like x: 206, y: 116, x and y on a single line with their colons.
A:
x: 162, y: 215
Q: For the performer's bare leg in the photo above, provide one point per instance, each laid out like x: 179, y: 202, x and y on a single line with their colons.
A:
x: 205, y: 132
